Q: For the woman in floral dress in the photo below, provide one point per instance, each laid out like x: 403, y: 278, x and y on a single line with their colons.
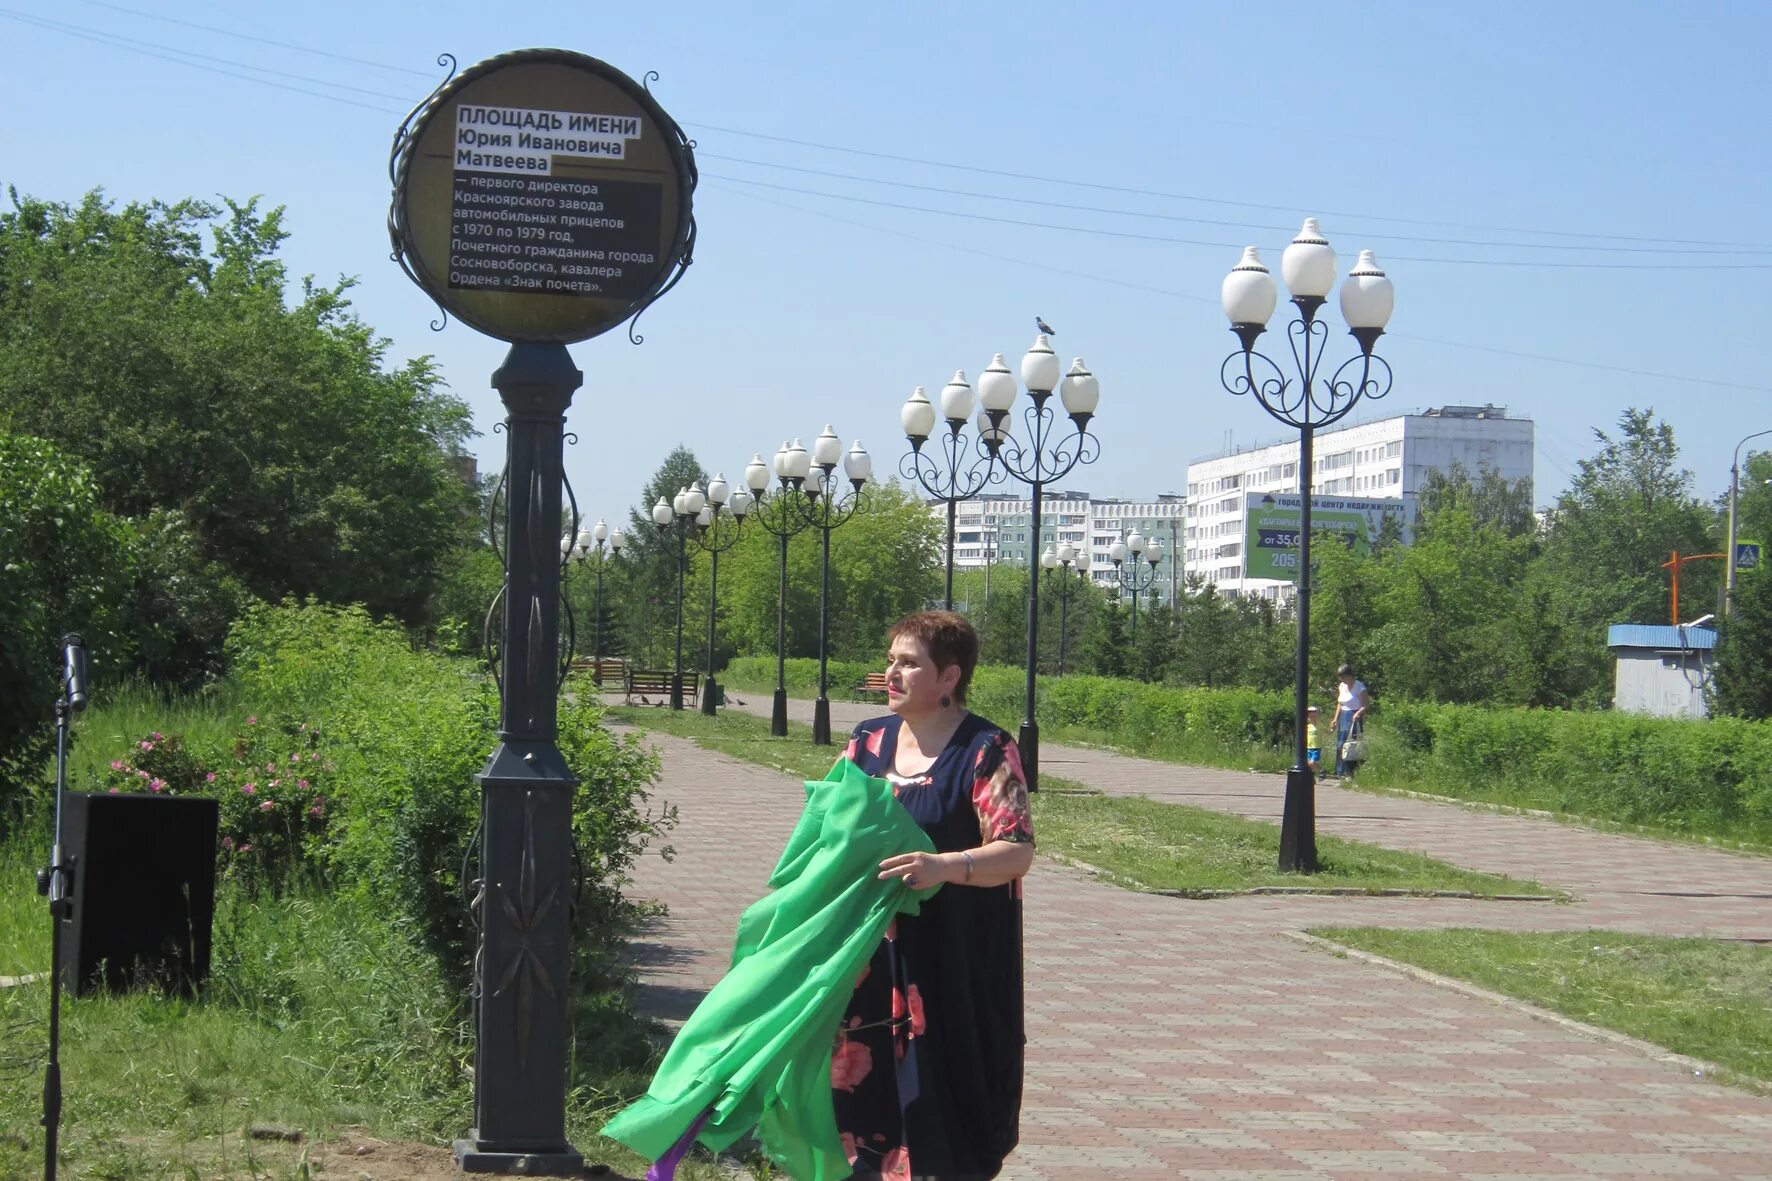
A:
x: 926, y: 1071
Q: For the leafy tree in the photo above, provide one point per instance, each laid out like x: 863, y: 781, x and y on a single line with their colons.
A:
x: 63, y: 567
x: 1210, y: 650
x: 1488, y: 498
x: 1444, y: 602
x: 1107, y: 651
x: 1345, y: 612
x: 1629, y: 507
x: 643, y: 584
x: 884, y: 565
x: 190, y: 379
x: 1743, y: 679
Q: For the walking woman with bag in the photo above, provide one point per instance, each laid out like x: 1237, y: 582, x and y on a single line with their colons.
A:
x: 1351, y: 700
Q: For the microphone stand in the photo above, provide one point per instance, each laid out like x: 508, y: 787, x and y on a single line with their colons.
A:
x: 57, y: 883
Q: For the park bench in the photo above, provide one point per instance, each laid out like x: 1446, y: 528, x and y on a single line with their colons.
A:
x: 872, y: 683
x: 639, y: 682
x: 604, y: 670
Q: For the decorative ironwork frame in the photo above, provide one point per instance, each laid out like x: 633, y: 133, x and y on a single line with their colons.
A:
x: 959, y: 469
x: 1306, y: 404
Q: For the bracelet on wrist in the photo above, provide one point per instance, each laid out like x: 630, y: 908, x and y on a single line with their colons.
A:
x: 968, y: 858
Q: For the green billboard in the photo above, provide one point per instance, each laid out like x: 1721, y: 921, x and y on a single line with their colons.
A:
x: 1271, y: 533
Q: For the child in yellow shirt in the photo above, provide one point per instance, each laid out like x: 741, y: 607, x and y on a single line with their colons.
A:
x: 1313, y: 752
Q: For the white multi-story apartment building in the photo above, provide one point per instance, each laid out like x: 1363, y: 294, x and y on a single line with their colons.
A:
x: 1386, y: 459
x: 999, y: 529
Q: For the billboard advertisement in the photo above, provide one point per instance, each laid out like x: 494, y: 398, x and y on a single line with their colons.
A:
x: 1271, y: 540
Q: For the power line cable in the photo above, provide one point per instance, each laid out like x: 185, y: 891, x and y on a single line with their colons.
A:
x: 124, y: 43
x: 1022, y: 262
x: 1204, y: 299
x: 1138, y: 237
x: 1726, y: 246
x: 173, y: 20
x: 1291, y: 209
x: 166, y: 53
x: 703, y: 155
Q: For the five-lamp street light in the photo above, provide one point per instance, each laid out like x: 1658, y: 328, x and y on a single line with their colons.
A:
x: 1059, y: 564
x: 684, y: 512
x: 1045, y: 453
x: 588, y: 550
x: 1249, y: 296
x: 1135, y: 567
x: 715, y: 536
x: 957, y: 468
x: 778, y: 514
x: 825, y: 507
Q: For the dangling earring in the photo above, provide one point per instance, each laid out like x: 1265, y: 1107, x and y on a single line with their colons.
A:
x: 946, y: 701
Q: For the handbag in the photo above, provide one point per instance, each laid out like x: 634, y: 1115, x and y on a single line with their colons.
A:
x: 1354, y: 749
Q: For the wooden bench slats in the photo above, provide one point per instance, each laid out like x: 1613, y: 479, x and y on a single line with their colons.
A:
x: 638, y: 682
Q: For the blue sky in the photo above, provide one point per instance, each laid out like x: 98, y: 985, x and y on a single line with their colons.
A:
x: 1618, y: 150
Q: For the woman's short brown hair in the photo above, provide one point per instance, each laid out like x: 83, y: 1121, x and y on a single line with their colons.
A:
x: 949, y: 638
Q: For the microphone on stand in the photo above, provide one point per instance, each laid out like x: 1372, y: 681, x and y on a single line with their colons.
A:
x: 74, y: 662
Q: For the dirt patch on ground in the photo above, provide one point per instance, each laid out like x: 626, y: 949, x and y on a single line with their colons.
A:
x: 355, y: 1156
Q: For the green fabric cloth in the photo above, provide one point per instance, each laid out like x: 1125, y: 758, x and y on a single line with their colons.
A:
x: 757, y: 1050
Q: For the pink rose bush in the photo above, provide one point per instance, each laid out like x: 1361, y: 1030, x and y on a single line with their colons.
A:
x: 269, y: 826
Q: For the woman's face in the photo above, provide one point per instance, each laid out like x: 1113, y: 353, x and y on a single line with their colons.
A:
x: 914, y: 685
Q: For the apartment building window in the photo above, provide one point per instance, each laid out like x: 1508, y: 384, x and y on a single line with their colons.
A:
x: 1393, y: 449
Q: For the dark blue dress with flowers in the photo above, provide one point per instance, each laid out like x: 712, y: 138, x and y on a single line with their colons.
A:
x: 926, y: 1070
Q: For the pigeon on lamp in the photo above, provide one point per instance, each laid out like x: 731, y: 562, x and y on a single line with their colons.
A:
x: 1045, y: 328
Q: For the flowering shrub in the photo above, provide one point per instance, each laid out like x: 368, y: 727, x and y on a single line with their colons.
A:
x: 158, y: 764
x: 271, y: 786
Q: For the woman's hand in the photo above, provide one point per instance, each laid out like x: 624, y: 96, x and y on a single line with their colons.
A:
x: 920, y: 871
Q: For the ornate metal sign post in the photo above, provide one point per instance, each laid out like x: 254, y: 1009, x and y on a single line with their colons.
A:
x: 541, y: 197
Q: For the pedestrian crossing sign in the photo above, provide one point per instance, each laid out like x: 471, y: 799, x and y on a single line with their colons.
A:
x: 1747, y: 555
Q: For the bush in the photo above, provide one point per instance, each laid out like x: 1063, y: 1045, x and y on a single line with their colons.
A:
x: 1700, y: 777
x: 356, y: 768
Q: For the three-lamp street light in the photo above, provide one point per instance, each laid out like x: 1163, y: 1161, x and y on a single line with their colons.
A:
x: 588, y: 550
x: 777, y: 513
x: 714, y: 536
x: 959, y: 466
x: 1249, y: 297
x: 685, y: 513
x: 1059, y: 564
x: 825, y: 506
x: 1135, y: 567
x: 1044, y: 453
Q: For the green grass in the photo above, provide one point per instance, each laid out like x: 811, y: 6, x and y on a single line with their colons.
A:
x: 322, y: 1013
x: 1705, y: 998
x: 1134, y: 842
x: 319, y: 1016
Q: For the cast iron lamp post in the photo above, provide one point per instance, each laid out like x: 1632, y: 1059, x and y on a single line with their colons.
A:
x: 715, y: 536
x: 1059, y: 565
x: 1128, y: 557
x: 1039, y: 458
x: 961, y: 468
x: 779, y: 515
x: 683, y: 513
x: 1249, y: 296
x: 826, y: 507
x: 1734, y: 490
x: 591, y: 541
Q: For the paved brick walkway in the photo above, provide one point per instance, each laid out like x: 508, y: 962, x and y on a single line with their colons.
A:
x: 1171, y: 1038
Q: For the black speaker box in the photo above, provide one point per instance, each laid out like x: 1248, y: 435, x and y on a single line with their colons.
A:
x: 143, y: 891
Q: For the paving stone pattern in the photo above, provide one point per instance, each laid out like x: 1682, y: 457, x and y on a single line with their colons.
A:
x: 1194, y: 1039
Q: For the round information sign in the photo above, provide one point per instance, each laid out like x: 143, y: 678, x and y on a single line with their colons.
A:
x: 542, y: 195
